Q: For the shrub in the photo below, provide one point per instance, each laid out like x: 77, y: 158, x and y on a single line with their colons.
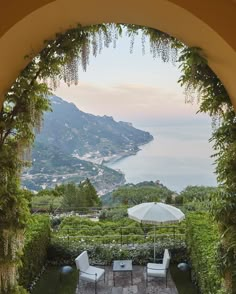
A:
x: 61, y: 253
x: 115, y: 214
x: 79, y: 229
x: 35, y: 249
x: 202, y: 240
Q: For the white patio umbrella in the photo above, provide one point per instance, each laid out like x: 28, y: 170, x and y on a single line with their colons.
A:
x: 155, y: 213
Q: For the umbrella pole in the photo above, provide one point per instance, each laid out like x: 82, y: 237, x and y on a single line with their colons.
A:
x: 154, y: 244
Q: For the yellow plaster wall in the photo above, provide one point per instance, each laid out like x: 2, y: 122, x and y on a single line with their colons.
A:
x: 209, y: 24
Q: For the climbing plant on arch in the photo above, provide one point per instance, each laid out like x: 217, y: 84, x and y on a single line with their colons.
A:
x: 26, y: 100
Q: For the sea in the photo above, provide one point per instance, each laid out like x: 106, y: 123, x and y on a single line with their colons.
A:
x: 178, y: 156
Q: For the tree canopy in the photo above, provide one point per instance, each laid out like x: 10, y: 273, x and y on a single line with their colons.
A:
x: 136, y: 194
x: 197, y: 193
x: 79, y: 196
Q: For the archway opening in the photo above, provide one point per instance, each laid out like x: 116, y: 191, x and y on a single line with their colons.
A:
x: 189, y: 22
x: 37, y: 62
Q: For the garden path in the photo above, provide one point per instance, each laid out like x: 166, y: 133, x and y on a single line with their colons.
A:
x: 123, y: 284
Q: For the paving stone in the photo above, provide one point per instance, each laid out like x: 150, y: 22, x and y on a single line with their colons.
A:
x: 131, y: 290
x: 117, y: 290
x: 123, y: 284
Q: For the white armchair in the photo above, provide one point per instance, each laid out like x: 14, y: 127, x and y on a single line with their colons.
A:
x: 86, y: 271
x: 159, y: 270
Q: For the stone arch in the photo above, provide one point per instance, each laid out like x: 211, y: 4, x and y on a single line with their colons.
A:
x: 208, y: 24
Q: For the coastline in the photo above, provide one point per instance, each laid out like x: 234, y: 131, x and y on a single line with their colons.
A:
x: 112, y: 158
x: 118, y: 157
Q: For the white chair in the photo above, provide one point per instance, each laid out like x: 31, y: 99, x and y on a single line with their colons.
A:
x: 159, y: 270
x: 87, y: 272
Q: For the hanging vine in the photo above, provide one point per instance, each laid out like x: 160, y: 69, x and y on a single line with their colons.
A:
x: 214, y: 100
x: 27, y: 100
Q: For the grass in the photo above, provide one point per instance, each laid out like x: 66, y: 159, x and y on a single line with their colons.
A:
x: 182, y: 281
x: 51, y: 283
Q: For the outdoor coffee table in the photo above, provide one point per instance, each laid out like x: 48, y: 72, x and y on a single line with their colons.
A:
x: 122, y: 266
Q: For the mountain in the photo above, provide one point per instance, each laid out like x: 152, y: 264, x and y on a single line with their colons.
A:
x: 74, y: 145
x: 87, y: 136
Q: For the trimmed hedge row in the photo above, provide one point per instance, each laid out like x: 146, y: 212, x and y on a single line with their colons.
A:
x: 60, y: 253
x: 202, y: 240
x: 34, y: 256
x: 77, y: 229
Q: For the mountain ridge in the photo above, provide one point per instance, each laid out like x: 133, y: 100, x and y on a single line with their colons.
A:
x: 82, y: 131
x: 73, y: 145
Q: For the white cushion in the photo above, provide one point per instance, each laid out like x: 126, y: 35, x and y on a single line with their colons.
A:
x: 159, y: 269
x: 156, y: 270
x: 90, y: 274
x: 166, y: 259
x: 87, y: 272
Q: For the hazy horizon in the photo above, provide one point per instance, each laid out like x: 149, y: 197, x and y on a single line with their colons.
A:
x: 143, y: 91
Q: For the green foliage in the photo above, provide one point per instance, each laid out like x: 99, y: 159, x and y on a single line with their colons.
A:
x: 202, y: 240
x: 56, y: 192
x: 197, y: 193
x: 47, y: 199
x: 19, y: 290
x: 136, y: 194
x: 66, y: 285
x: 179, y: 200
x: 14, y: 207
x: 47, y: 202
x: 114, y: 214
x: 76, y: 230
x: 35, y: 249
x: 223, y: 208
x: 60, y: 253
x: 26, y: 101
x: 214, y: 99
x: 80, y: 196
x: 67, y: 196
x: 13, y: 217
x: 224, y: 138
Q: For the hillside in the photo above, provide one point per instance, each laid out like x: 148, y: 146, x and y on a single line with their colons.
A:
x: 89, y: 137
x: 73, y: 145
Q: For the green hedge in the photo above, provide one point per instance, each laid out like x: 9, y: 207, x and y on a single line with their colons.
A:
x: 75, y: 229
x: 202, y: 240
x: 61, y: 253
x: 35, y: 249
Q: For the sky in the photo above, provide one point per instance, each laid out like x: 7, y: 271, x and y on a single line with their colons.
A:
x: 130, y: 87
x: 144, y: 91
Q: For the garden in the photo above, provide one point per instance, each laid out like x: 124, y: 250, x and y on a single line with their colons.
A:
x: 56, y: 240
x: 210, y: 244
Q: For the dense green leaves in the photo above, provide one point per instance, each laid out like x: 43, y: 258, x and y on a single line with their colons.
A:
x: 114, y: 227
x: 35, y: 249
x: 104, y: 239
x: 197, y: 193
x: 202, y: 239
x: 79, y: 196
x: 68, y: 196
x: 214, y: 99
x: 135, y: 194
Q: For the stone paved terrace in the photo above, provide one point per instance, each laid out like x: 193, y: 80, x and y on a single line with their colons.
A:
x: 123, y: 284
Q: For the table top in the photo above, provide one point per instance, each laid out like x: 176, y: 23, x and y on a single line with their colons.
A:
x: 122, y: 266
